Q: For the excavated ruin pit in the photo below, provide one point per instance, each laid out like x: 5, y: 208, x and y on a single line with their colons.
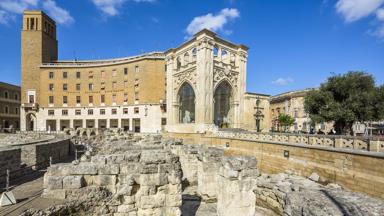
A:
x: 131, y: 174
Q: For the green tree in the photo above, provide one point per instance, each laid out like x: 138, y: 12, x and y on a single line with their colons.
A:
x: 345, y: 99
x: 286, y: 121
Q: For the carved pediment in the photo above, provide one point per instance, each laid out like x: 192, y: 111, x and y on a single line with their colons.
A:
x: 225, y: 73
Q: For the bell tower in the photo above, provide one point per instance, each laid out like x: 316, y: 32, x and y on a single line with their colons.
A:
x: 38, y: 45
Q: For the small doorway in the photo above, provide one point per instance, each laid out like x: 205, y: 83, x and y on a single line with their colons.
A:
x: 136, y: 125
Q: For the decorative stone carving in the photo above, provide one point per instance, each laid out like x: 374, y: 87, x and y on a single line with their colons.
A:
x: 188, y: 75
x: 224, y: 73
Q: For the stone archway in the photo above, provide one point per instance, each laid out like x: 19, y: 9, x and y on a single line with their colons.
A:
x: 186, y: 101
x: 30, y: 122
x: 222, y: 105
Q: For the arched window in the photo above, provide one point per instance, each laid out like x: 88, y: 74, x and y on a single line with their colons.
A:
x: 186, y: 104
x: 224, y: 53
x: 223, y: 100
x: 215, y: 51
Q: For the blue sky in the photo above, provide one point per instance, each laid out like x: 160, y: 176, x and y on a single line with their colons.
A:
x: 293, y: 44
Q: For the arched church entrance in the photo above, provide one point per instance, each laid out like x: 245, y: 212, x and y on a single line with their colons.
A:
x: 222, y: 105
x: 186, y: 97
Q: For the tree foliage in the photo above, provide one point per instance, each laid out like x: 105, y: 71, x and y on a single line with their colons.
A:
x: 345, y: 99
x: 286, y: 121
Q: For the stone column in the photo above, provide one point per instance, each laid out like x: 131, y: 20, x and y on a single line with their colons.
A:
x: 237, y: 180
x: 207, y: 171
x: 170, y: 91
x: 204, y: 91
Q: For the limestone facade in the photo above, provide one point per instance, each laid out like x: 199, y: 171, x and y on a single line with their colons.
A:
x: 9, y: 106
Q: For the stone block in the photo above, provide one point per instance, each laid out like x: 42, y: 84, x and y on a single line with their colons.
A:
x: 109, y: 169
x: 149, y: 168
x: 73, y: 182
x: 152, y: 201
x: 104, y: 180
x: 153, y: 157
x: 129, y: 199
x: 53, y: 182
x: 129, y: 168
x: 84, y: 169
x: 153, y: 179
x: 173, y: 200
x: 7, y: 198
x: 126, y: 208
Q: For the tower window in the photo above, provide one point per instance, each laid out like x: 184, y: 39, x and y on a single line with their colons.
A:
x: 32, y: 23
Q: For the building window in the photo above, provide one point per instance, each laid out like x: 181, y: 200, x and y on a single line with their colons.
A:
x: 16, y: 110
x: 103, y: 74
x: 136, y: 110
x: 5, y: 94
x: 65, y: 75
x: 102, y: 98
x: 114, y: 73
x: 51, y: 87
x: 125, y: 110
x: 31, y: 98
x: 114, y: 111
x: 90, y: 87
x: 78, y: 75
x: 65, y: 87
x: 125, y: 84
x: 102, y: 86
x: 77, y: 112
x: 51, y: 75
x: 51, y: 112
x: 90, y: 99
x: 136, y: 96
x: 125, y: 71
x: 137, y: 70
x: 102, y: 111
x: 6, y: 110
x: 90, y: 75
x: 114, y: 98
x: 78, y: 99
x: 163, y: 121
x: 16, y: 96
x: 90, y: 112
x: 51, y: 99
x: 126, y: 97
x: 113, y: 85
x: 64, y: 112
x: 65, y: 99
x: 78, y: 87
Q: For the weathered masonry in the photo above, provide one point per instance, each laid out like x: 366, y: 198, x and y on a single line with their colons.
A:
x: 350, y: 162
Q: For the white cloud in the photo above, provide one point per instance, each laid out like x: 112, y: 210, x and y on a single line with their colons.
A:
x: 10, y: 8
x: 283, y: 81
x: 353, y: 10
x: 380, y: 14
x: 59, y: 14
x: 213, y: 22
x: 111, y: 7
x: 17, y: 6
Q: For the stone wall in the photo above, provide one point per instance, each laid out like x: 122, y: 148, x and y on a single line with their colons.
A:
x: 139, y: 182
x: 9, y: 160
x: 38, y: 155
x: 357, y: 170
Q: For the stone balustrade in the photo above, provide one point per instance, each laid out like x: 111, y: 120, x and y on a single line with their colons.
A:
x: 373, y: 144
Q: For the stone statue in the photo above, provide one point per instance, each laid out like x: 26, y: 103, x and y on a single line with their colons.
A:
x: 187, y: 117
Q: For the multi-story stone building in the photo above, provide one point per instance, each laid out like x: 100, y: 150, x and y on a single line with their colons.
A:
x: 292, y: 104
x: 9, y: 106
x: 117, y: 93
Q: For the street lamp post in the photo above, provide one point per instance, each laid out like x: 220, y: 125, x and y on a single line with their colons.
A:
x: 258, y: 114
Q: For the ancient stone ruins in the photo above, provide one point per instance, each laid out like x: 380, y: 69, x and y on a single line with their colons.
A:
x: 147, y: 174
